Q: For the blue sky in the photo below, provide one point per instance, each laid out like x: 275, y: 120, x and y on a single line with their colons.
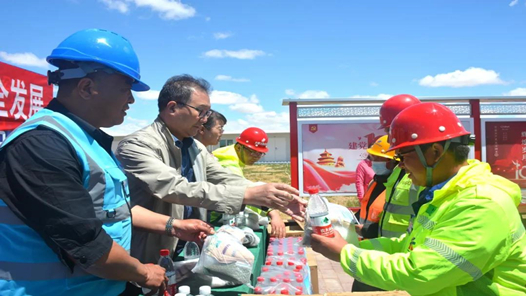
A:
x: 256, y: 53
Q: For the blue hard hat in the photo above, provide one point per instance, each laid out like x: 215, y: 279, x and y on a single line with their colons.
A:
x: 100, y: 46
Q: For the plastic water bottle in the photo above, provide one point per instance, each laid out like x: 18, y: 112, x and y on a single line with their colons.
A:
x: 166, y: 262
x: 191, y: 251
x: 205, y: 291
x: 184, y: 290
x: 319, y: 214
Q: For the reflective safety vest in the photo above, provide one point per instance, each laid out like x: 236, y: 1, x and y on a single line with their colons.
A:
x: 400, y: 194
x: 227, y: 158
x: 370, y: 214
x: 27, y: 265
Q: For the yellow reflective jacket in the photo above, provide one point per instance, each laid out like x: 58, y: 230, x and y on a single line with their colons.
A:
x: 227, y: 157
x: 469, y: 240
x: 398, y: 204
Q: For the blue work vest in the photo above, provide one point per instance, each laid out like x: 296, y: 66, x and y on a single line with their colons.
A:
x: 27, y: 265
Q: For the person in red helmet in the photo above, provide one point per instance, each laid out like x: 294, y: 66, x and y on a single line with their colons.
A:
x: 250, y: 147
x: 467, y: 237
x: 394, y: 105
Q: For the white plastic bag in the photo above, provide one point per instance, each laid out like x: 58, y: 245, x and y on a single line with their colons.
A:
x: 225, y: 257
x: 342, y: 219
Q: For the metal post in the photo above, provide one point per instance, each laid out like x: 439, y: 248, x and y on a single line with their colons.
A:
x: 294, y: 166
x: 475, y: 114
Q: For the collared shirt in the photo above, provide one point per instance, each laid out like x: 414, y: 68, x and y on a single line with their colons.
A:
x: 41, y: 182
x: 427, y: 195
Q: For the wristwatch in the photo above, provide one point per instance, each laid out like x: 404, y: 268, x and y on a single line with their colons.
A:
x: 169, y: 226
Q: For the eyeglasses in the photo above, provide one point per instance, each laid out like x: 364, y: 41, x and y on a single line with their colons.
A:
x: 254, y: 152
x: 400, y: 155
x: 202, y: 113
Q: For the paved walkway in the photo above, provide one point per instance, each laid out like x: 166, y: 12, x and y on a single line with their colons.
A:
x: 331, y: 277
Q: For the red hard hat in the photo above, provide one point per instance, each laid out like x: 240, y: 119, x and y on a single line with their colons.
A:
x: 254, y: 138
x: 393, y: 106
x: 424, y: 123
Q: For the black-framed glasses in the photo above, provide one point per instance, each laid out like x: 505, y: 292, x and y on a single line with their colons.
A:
x: 202, y: 113
x: 400, y: 155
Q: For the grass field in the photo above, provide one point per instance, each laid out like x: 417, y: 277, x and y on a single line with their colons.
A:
x: 280, y: 173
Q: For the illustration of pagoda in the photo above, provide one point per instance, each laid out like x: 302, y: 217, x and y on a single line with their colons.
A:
x: 326, y: 159
x: 339, y: 162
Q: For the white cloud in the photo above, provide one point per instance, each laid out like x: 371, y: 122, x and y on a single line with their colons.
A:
x: 379, y: 96
x: 290, y: 92
x: 222, y: 35
x: 24, y: 59
x: 230, y: 78
x: 514, y: 2
x: 120, y: 6
x: 129, y: 126
x: 314, y: 94
x: 147, y: 95
x: 521, y: 91
x: 247, y: 107
x: 167, y: 9
x: 242, y: 54
x: 470, y: 77
x: 236, y: 101
x: 373, y: 84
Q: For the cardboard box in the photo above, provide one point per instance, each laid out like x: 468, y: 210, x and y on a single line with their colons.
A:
x: 313, y: 266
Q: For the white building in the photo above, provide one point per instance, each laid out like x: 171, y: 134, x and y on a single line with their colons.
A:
x: 278, y: 145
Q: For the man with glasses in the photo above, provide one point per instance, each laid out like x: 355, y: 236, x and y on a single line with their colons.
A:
x: 467, y: 237
x: 250, y: 147
x: 171, y: 174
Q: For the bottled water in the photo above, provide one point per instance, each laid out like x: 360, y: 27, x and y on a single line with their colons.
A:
x: 319, y: 214
x: 166, y: 262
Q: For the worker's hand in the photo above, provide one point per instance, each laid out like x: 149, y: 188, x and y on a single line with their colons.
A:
x: 156, y: 279
x: 358, y: 228
x: 277, y: 225
x: 277, y: 196
x: 191, y: 230
x: 330, y: 247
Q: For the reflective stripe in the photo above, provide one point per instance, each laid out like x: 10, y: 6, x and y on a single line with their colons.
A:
x: 354, y: 261
x: 399, y: 209
x: 453, y: 257
x: 7, y: 216
x: 391, y: 233
x: 426, y: 223
x: 377, y: 245
x: 518, y: 234
x: 37, y: 271
x: 413, y: 195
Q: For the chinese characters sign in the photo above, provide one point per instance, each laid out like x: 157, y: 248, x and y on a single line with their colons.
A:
x: 22, y: 94
x: 332, y: 151
x: 506, y: 150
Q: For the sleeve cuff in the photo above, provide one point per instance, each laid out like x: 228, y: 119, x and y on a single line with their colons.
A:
x: 89, y: 253
x: 349, y: 258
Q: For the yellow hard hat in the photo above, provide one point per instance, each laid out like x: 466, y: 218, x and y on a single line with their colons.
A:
x: 380, y: 147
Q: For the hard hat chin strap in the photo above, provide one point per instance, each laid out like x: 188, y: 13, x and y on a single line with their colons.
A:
x: 429, y: 169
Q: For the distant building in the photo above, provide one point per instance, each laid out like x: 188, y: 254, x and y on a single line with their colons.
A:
x: 278, y: 145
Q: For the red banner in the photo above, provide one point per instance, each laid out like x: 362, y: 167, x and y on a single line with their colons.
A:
x: 506, y: 150
x: 22, y: 94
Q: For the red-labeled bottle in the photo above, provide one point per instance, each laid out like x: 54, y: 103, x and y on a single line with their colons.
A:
x: 319, y: 214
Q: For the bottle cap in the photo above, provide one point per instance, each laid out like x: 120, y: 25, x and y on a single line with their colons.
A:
x: 184, y: 289
x: 301, y: 251
x: 299, y: 279
x: 290, y: 263
x: 261, y: 279
x: 205, y: 290
x: 279, y: 263
x: 298, y: 293
x: 258, y: 290
x: 284, y: 292
x: 164, y: 252
x: 313, y: 190
x: 264, y: 269
x: 270, y: 253
x: 299, y: 267
x: 286, y: 280
x: 280, y: 253
x: 273, y: 279
x: 268, y: 263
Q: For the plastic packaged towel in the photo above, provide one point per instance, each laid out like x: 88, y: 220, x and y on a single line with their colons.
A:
x: 225, y: 257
